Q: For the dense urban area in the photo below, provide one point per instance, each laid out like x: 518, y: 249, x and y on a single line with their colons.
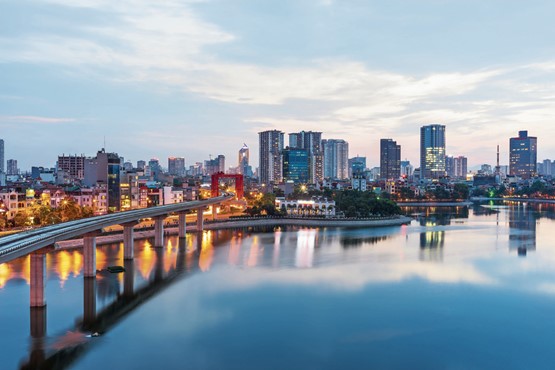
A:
x: 310, y: 177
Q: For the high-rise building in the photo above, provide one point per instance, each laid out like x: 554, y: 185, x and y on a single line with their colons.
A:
x: 390, y: 159
x: 1, y: 155
x: 270, y: 160
x: 141, y: 165
x: 456, y: 167
x: 215, y: 165
x: 312, y: 142
x: 104, y: 170
x: 72, y: 165
x: 336, y: 159
x: 523, y: 155
x: 295, y: 165
x: 432, y: 151
x: 357, y: 166
x: 11, y: 168
x: 546, y: 167
x: 243, y: 161
x: 176, y: 166
x: 461, y: 167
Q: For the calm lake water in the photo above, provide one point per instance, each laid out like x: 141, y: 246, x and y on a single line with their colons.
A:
x: 459, y: 288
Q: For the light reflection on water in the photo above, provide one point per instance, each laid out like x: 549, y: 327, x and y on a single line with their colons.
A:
x: 461, y: 266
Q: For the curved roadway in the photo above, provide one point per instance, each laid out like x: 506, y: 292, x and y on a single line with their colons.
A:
x: 20, y: 244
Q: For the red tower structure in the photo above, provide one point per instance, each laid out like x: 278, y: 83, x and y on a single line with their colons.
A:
x: 239, y: 187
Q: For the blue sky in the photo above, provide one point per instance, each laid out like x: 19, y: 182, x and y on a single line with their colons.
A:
x: 193, y: 78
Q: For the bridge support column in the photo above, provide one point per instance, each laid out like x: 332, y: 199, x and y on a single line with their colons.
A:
x: 214, y: 211
x: 38, y: 279
x: 128, y: 240
x: 129, y: 278
x: 182, y: 225
x: 159, y: 231
x: 200, y: 219
x: 89, y: 302
x: 89, y: 255
x: 38, y: 333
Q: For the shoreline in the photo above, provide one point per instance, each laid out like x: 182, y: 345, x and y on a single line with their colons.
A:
x: 524, y: 200
x: 249, y: 222
x: 435, y: 204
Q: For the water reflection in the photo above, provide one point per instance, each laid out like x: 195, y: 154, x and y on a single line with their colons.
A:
x: 306, y: 241
x: 522, y: 229
x: 395, y: 254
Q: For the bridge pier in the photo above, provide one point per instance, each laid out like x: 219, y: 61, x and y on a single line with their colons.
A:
x: 200, y: 219
x: 38, y: 333
x: 214, y: 212
x: 38, y: 279
x: 89, y: 302
x: 182, y: 225
x: 159, y: 231
x: 89, y: 255
x: 129, y: 278
x: 128, y: 240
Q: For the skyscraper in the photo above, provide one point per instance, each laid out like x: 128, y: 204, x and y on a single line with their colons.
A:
x: 295, y: 165
x: 1, y: 155
x: 432, y: 151
x: 243, y: 160
x: 176, y: 166
x: 11, y: 168
x: 523, y: 155
x: 336, y: 159
x: 312, y: 142
x: 390, y: 159
x: 270, y: 161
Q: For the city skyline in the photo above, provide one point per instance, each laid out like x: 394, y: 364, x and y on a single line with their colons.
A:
x: 195, y: 78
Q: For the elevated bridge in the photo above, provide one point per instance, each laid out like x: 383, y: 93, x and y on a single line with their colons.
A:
x: 37, y: 242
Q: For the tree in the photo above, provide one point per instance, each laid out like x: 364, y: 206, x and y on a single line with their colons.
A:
x: 460, y: 191
x: 20, y: 219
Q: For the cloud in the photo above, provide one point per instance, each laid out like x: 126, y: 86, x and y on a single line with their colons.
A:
x: 167, y: 44
x: 34, y: 119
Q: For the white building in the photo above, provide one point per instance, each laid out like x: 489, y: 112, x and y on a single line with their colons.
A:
x: 314, y: 207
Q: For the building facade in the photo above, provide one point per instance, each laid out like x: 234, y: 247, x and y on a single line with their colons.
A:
x: 243, y: 161
x: 357, y: 166
x: 2, y: 155
x: 312, y: 142
x: 270, y: 161
x: 176, y: 166
x: 215, y: 165
x: 336, y: 159
x: 523, y: 155
x: 390, y: 159
x: 72, y: 165
x: 295, y: 165
x: 104, y: 171
x: 432, y: 151
x: 11, y: 167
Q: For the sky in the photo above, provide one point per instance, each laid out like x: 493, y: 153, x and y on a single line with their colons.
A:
x: 194, y: 78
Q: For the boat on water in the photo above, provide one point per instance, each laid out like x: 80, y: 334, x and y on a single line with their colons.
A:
x: 115, y: 269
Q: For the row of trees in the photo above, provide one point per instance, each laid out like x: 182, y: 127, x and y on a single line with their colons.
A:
x: 43, y: 214
x: 363, y: 204
x: 537, y: 189
x: 460, y: 191
x: 351, y: 203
